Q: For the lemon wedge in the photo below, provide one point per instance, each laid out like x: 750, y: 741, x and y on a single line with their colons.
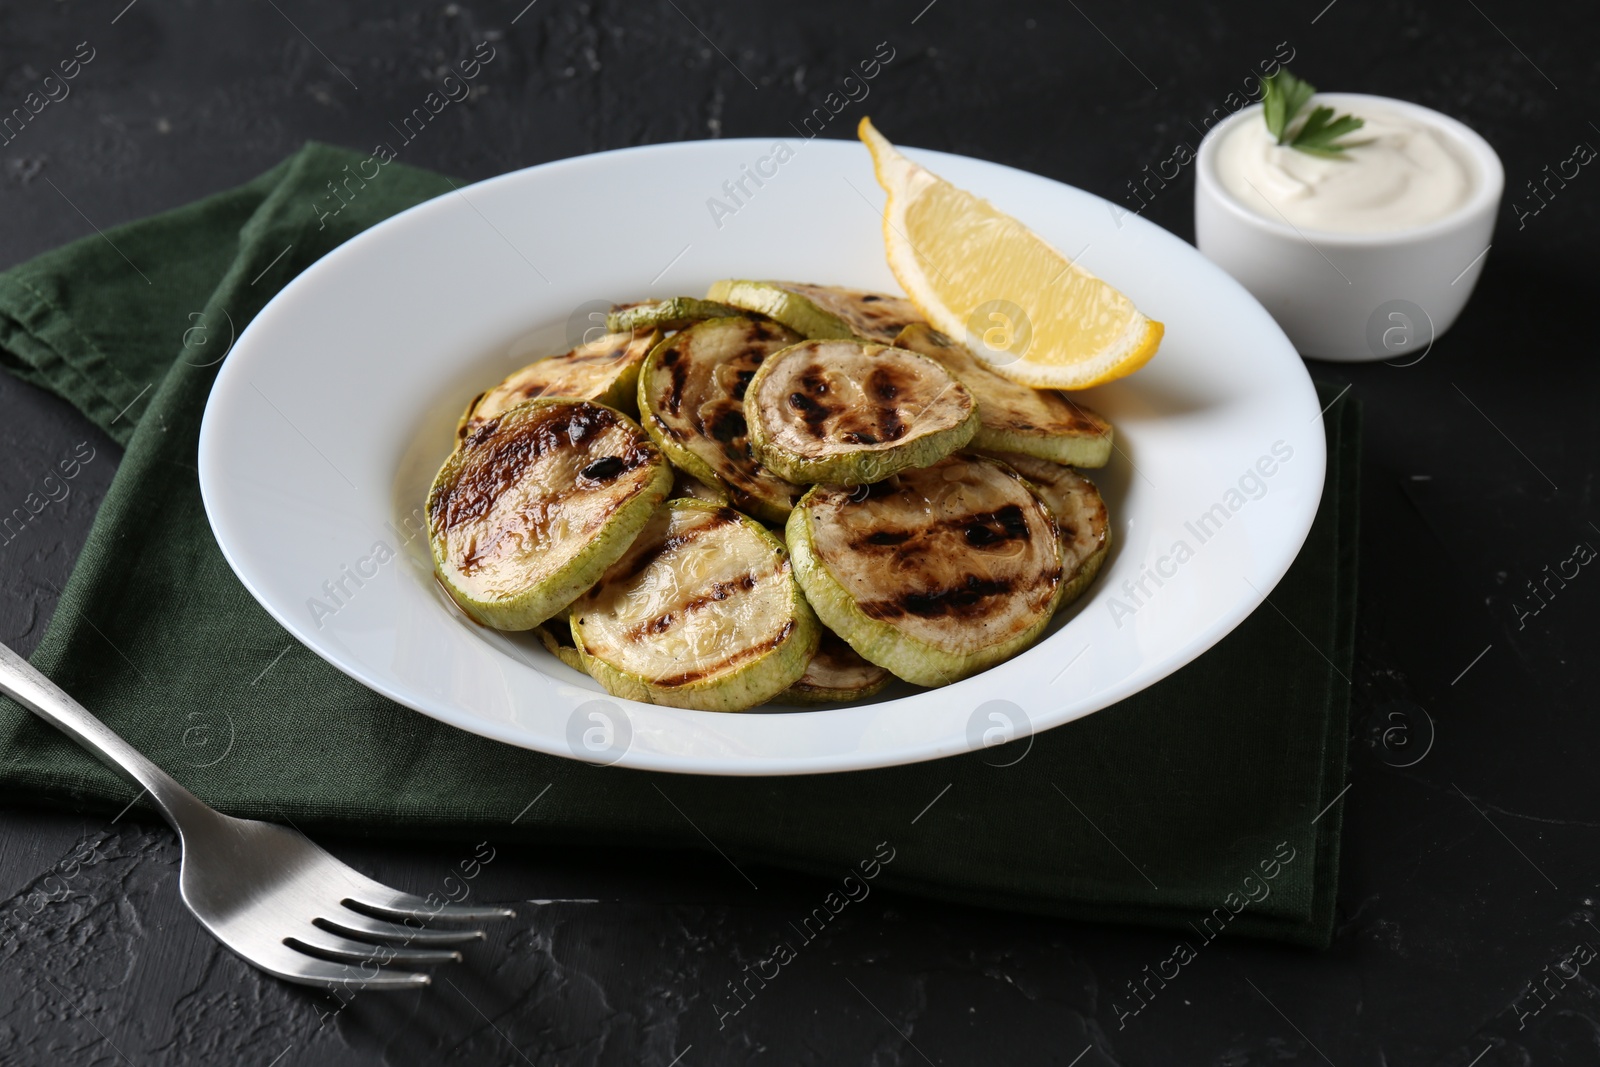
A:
x: 1028, y: 311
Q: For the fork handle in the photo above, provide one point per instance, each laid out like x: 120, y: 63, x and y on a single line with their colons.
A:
x: 22, y: 682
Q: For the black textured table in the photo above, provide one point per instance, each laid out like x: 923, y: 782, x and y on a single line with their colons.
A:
x: 1472, y: 825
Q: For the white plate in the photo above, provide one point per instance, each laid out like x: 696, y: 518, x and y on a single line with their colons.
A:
x: 335, y: 408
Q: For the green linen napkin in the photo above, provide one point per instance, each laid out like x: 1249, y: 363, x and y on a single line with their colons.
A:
x: 1193, y: 805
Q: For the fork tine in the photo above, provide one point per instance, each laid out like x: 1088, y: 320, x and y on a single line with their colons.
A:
x: 365, y: 928
x: 379, y: 901
x: 309, y: 970
x: 342, y: 949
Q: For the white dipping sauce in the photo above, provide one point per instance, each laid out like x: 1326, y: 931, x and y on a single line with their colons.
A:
x: 1401, y: 172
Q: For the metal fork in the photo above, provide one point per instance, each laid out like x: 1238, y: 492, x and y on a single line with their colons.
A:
x: 266, y: 891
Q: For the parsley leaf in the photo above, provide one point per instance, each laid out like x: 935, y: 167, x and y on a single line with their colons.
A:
x: 1284, y: 97
x: 1321, y: 130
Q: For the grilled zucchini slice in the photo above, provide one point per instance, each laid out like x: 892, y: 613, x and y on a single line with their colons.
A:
x: 691, y: 396
x: 852, y: 412
x: 534, y: 505
x: 821, y: 311
x: 1080, y: 516
x: 933, y: 574
x: 674, y: 313
x: 555, y: 634
x: 1015, y: 418
x: 701, y: 612
x: 835, y: 674
x: 605, y: 370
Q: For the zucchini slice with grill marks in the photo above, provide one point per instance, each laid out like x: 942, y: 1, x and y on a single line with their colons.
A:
x: 1016, y: 418
x: 673, y: 313
x: 933, y: 574
x: 852, y: 412
x: 701, y: 612
x: 605, y: 370
x: 837, y: 673
x: 821, y: 311
x: 691, y: 400
x: 1080, y: 518
x: 534, y: 505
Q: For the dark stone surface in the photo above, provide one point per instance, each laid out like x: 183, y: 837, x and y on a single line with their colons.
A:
x: 1466, y: 874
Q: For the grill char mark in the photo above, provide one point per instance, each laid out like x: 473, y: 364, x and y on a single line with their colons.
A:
x: 718, y: 592
x: 980, y: 530
x: 877, y: 422
x: 812, y: 412
x: 984, y: 529
x: 678, y: 371
x: 499, y: 454
x: 647, y: 558
x: 603, y: 469
x: 698, y: 404
x: 966, y: 598
x: 967, y: 593
x: 744, y: 655
x: 728, y: 426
